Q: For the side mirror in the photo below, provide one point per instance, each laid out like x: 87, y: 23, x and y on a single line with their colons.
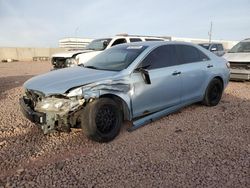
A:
x: 145, y: 75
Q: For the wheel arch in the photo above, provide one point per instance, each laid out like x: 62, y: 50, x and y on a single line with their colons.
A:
x: 208, y: 82
x: 123, y: 104
x: 207, y: 100
x: 219, y: 78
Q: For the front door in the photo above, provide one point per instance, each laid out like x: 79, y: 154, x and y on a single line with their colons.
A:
x: 165, y: 88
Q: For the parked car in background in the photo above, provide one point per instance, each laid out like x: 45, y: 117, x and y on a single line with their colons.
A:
x: 216, y: 48
x: 239, y: 59
x: 140, y: 82
x: 100, y: 44
x: 68, y: 59
x: 65, y: 59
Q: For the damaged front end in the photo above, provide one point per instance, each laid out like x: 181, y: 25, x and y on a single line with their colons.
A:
x: 51, y: 112
x: 60, y: 112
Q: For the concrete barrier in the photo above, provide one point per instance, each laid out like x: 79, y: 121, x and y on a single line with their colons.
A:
x: 27, y: 54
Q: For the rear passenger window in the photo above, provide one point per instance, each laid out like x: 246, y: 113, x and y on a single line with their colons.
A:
x: 135, y: 40
x: 119, y: 41
x: 163, y: 56
x: 190, y: 54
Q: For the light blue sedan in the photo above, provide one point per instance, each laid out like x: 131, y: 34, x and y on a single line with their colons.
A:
x: 140, y: 82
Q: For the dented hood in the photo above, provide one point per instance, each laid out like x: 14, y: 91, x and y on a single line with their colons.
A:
x: 60, y: 81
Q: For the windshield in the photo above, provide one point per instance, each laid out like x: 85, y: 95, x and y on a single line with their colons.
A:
x: 206, y: 46
x: 241, y: 47
x: 116, y: 58
x: 98, y: 44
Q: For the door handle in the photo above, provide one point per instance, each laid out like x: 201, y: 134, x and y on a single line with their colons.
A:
x: 176, y: 73
x: 209, y: 66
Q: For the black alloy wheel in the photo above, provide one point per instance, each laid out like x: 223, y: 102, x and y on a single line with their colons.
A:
x: 213, y: 92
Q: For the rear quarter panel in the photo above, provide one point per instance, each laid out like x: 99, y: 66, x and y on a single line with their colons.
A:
x: 219, y: 69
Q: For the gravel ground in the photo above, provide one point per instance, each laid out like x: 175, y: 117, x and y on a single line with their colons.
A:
x: 196, y: 147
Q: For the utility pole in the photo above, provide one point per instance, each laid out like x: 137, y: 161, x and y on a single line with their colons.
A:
x: 210, y: 32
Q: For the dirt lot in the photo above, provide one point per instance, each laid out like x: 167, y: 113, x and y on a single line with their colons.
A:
x: 196, y: 147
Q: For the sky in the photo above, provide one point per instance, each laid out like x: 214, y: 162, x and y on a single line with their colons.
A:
x: 41, y: 23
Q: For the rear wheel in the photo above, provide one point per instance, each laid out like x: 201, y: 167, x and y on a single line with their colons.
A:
x: 102, y: 120
x: 213, y: 92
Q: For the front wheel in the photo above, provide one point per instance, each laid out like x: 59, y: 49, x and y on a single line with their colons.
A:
x: 102, y: 120
x: 213, y: 92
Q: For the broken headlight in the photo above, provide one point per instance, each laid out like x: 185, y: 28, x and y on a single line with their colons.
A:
x: 58, y: 104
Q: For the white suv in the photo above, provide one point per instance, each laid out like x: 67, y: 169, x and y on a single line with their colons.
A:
x: 97, y: 46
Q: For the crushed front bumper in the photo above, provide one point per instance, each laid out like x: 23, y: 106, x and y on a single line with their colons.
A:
x: 239, y: 74
x: 48, y: 122
x: 35, y: 117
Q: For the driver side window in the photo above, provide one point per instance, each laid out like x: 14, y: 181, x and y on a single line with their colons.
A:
x: 163, y: 56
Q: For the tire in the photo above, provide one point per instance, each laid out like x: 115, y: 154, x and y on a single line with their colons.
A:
x: 213, y: 92
x: 101, y: 120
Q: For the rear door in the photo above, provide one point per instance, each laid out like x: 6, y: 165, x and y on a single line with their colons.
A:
x: 193, y: 68
x: 164, y: 90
